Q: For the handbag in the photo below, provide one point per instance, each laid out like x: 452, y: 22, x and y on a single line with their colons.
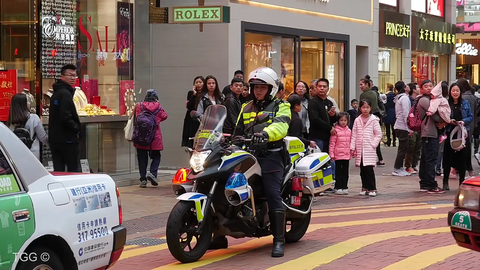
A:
x: 458, y: 138
x: 130, y: 126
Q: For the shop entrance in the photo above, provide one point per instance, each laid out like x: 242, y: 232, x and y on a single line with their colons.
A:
x: 298, y: 58
x: 18, y: 52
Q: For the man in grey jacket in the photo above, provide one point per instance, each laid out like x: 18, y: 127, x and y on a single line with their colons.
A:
x: 402, y: 109
x: 430, y: 142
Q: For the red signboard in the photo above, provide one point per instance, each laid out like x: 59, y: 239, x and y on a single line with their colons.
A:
x: 8, y: 88
x: 126, y: 88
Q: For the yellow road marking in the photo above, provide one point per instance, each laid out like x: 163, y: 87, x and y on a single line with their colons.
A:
x: 367, y: 211
x: 314, y: 227
x: 337, y: 251
x: 141, y: 251
x: 129, y: 247
x: 426, y: 258
x: 365, y: 207
x: 220, y: 255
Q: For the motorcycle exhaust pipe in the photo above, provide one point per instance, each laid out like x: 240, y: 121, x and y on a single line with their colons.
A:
x: 238, y: 195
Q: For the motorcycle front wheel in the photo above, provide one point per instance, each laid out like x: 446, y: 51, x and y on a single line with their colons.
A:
x: 184, y: 243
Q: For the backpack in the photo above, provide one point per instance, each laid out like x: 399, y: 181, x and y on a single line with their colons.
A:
x: 414, y: 122
x: 458, y: 138
x: 145, y: 126
x: 23, y: 133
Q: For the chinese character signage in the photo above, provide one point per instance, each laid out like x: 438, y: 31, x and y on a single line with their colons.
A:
x: 8, y: 88
x: 432, y: 36
x: 395, y: 30
x: 59, y: 36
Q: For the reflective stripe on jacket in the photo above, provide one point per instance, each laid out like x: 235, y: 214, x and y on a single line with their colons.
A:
x: 276, y: 127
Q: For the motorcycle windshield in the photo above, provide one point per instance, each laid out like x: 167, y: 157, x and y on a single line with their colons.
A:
x: 210, y: 132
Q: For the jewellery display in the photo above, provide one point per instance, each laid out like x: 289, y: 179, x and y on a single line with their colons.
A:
x: 129, y: 98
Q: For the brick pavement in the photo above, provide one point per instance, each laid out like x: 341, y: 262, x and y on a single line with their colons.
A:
x: 146, y: 211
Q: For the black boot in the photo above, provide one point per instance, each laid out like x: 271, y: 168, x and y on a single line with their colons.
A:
x: 277, y: 220
x: 445, y: 186
x: 218, y: 242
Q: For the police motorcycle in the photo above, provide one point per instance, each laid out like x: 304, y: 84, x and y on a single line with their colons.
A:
x: 222, y: 193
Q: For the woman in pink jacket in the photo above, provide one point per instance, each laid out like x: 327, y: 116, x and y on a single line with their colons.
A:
x: 143, y: 152
x: 340, y: 152
x: 366, y: 136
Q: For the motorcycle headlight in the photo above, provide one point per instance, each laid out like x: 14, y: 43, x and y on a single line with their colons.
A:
x: 467, y: 197
x: 198, y: 159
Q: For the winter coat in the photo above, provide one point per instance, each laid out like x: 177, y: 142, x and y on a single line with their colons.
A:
x: 320, y: 121
x: 234, y: 106
x: 467, y: 115
x: 365, y: 139
x: 402, y: 109
x: 157, y: 143
x: 340, y: 143
x: 390, y: 107
x: 439, y: 104
x: 296, y: 128
x: 63, y: 122
x: 190, y: 125
x: 472, y: 99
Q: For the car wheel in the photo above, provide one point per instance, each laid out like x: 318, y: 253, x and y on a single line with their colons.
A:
x: 40, y: 258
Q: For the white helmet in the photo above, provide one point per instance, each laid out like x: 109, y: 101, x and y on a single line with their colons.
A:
x: 265, y: 76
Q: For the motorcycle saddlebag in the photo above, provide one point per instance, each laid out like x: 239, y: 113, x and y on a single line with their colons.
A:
x: 316, y: 171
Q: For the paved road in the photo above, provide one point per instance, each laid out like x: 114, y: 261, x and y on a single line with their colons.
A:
x: 399, y: 229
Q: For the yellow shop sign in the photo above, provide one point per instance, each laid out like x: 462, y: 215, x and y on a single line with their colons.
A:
x: 437, y: 36
x: 203, y: 14
x: 397, y: 30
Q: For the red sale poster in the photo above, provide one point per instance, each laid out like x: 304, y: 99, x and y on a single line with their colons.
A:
x: 8, y: 88
x: 126, y: 88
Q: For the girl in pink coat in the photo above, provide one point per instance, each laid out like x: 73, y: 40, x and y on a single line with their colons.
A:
x: 340, y: 152
x: 366, y: 136
x: 143, y: 152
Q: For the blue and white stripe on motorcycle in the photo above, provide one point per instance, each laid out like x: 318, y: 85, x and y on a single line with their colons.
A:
x: 226, y: 162
x: 196, y: 196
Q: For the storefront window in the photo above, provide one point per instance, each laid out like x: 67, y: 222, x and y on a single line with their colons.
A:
x: 335, y: 71
x: 17, y: 52
x: 97, y: 37
x: 271, y: 51
x: 427, y: 66
x: 389, y: 67
x: 312, y: 60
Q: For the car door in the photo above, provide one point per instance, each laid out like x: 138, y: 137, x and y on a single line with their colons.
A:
x: 17, y: 219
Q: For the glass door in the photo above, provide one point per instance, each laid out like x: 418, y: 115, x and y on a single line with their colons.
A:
x: 18, y: 52
x: 311, y: 67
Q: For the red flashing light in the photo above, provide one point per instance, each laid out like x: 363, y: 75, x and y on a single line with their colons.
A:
x: 120, y: 212
x: 181, y: 176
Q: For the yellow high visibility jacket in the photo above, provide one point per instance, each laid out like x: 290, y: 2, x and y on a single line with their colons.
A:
x: 277, y: 125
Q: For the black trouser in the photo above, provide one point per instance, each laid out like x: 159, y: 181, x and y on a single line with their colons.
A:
x: 428, y: 162
x: 402, y: 148
x: 379, y: 153
x: 414, y: 147
x: 272, y: 178
x: 68, y: 155
x: 368, y: 177
x: 341, y: 172
x: 389, y: 127
x: 468, y: 157
x: 142, y: 156
x: 454, y: 159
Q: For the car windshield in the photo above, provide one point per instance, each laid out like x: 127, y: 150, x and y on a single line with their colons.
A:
x: 210, y: 131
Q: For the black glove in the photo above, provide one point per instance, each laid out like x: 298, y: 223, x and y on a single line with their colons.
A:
x: 260, y: 138
x: 238, y: 141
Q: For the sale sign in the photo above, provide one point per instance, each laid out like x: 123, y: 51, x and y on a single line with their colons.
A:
x: 8, y: 88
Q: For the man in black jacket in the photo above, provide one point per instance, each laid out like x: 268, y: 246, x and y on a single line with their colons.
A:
x: 322, y: 115
x: 237, y: 74
x: 233, y: 105
x: 64, y: 124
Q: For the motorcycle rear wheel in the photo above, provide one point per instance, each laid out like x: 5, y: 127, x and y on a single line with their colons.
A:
x: 298, y: 228
x: 180, y: 233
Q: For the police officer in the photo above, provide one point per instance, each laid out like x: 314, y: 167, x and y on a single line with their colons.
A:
x: 267, y: 139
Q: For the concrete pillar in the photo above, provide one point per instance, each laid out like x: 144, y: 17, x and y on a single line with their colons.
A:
x: 450, y: 17
x: 405, y: 7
